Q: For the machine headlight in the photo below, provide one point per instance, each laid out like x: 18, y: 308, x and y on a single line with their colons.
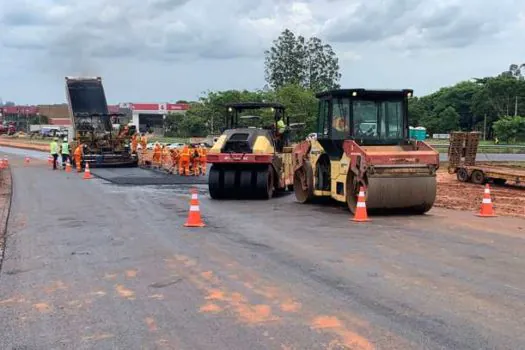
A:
x: 354, y: 93
x: 230, y: 109
x: 409, y: 94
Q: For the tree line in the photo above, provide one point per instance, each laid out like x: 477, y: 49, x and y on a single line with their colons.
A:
x: 493, y: 105
x: 297, y: 68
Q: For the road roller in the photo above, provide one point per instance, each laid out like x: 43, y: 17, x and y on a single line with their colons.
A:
x: 250, y: 159
x: 363, y: 141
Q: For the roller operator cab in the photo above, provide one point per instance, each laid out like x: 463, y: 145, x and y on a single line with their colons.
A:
x: 93, y: 125
x: 251, y: 159
x: 362, y: 140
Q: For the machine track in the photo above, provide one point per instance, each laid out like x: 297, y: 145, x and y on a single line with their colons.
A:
x: 254, y: 182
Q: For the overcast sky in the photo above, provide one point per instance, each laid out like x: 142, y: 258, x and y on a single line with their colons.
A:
x: 165, y: 50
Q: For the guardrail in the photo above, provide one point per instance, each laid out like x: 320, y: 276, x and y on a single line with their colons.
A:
x: 441, y: 145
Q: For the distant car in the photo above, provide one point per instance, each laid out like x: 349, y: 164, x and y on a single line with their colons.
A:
x: 175, y: 145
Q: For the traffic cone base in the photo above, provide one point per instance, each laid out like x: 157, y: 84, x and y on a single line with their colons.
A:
x: 87, y: 173
x: 194, y: 216
x: 360, y: 210
x: 68, y: 166
x: 487, y: 209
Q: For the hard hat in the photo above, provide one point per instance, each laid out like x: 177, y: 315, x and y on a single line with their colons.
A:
x: 65, y: 139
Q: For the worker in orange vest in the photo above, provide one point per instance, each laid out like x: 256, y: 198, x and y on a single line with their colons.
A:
x: 134, y: 143
x: 175, y: 155
x: 165, y: 156
x: 195, y: 160
x: 157, y: 152
x: 143, y: 142
x: 184, y: 161
x: 202, y: 159
x: 78, y: 154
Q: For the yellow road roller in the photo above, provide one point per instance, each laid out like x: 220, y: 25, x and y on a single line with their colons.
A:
x: 251, y: 160
x: 363, y: 141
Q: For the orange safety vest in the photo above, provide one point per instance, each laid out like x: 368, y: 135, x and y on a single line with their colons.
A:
x: 186, y: 152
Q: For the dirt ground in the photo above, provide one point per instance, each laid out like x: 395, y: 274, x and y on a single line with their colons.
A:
x: 452, y: 194
x: 24, y: 144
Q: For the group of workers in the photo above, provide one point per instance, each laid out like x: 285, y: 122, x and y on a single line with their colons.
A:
x: 185, y: 161
x: 63, y: 150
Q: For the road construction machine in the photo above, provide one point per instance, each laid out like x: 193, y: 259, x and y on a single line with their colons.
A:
x: 363, y: 141
x: 93, y: 125
x: 250, y: 160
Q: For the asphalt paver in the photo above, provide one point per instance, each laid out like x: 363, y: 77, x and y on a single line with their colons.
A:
x: 92, y: 265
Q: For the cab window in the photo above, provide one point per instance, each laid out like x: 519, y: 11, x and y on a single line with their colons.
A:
x: 340, y: 118
x: 324, y: 120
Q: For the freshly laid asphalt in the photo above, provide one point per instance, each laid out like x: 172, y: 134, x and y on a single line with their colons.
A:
x: 93, y: 265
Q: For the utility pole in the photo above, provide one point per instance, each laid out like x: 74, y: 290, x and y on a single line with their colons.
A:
x: 485, y: 128
x: 516, y: 107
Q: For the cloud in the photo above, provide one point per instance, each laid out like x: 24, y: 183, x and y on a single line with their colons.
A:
x: 221, y: 43
x: 412, y: 24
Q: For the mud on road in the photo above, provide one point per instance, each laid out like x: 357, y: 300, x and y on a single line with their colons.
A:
x: 452, y: 194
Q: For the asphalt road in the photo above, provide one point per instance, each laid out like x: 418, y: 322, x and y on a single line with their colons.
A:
x: 92, y: 265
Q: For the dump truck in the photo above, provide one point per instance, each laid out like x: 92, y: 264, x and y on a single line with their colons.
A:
x: 92, y: 125
x: 363, y: 141
x: 250, y: 160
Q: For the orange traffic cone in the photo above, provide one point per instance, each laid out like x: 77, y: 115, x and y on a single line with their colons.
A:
x: 68, y: 166
x: 27, y: 160
x: 360, y: 210
x: 194, y: 216
x: 487, y: 210
x: 87, y: 173
x: 50, y: 161
x: 6, y: 162
x: 2, y: 166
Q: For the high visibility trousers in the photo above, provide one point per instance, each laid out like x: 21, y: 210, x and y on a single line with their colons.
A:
x: 203, y: 165
x: 195, y: 164
x: 184, y: 165
x: 78, y: 163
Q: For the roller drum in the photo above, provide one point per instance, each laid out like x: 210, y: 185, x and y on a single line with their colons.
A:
x: 409, y: 193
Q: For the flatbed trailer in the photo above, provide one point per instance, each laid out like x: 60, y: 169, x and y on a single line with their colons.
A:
x: 480, y: 174
x: 462, y: 153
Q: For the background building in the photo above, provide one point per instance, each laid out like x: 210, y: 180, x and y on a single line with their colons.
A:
x: 145, y: 116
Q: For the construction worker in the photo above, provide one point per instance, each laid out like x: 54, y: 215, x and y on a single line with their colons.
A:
x: 144, y: 142
x: 195, y: 160
x: 184, y: 161
x: 203, y: 159
x: 64, y: 150
x: 157, y: 152
x: 78, y: 154
x: 134, y: 143
x: 281, y: 129
x: 53, y: 150
x: 175, y: 155
x: 166, y: 156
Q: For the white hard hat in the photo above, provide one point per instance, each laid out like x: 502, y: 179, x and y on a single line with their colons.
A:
x: 65, y: 138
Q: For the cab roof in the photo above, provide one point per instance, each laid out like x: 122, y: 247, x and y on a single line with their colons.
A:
x: 364, y: 92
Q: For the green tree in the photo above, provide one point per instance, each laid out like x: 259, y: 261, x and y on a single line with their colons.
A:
x: 510, y: 129
x: 416, y: 111
x: 292, y: 60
